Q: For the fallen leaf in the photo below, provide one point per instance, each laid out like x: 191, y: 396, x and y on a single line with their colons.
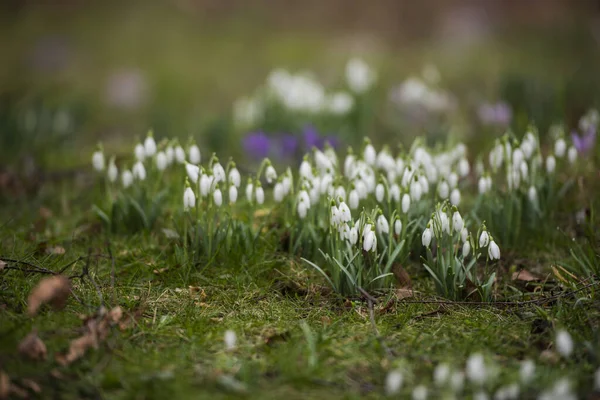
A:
x: 402, y: 276
x: 32, y: 347
x: 404, y: 293
x: 2, y: 265
x: 196, y: 291
x: 160, y: 271
x: 32, y: 385
x: 77, y: 349
x: 525, y: 276
x: 53, y: 290
x: 4, y: 385
x: 56, y: 250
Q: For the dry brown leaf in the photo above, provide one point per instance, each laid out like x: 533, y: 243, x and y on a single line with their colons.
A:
x: 404, y: 293
x: 2, y: 265
x: 160, y: 271
x: 32, y: 385
x: 402, y: 277
x: 4, y: 385
x: 45, y: 212
x: 56, y: 250
x: 196, y: 291
x: 32, y: 347
x: 53, y: 290
x: 525, y: 276
x: 77, y: 349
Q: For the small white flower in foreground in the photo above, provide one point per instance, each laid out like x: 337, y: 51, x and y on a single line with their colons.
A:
x: 233, y: 194
x: 306, y: 170
x: 345, y: 215
x: 476, y: 369
x: 405, y: 203
x: 455, y: 197
x: 302, y: 209
x: 353, y: 235
x: 260, y: 195
x: 98, y: 160
x: 161, y: 161
x: 140, y: 152
x: 179, y: 154
x: 218, y: 197
x: 426, y: 237
x: 193, y: 172
x: 397, y: 227
x: 457, y: 221
x: 393, y: 382
x: 370, y: 241
x: 484, y: 239
x: 493, y: 251
x: 189, y: 198
x: 419, y: 393
x: 560, y: 147
x: 149, y: 145
x: 194, y: 154
x: 564, y: 343
x: 443, y: 190
x: 382, y: 225
x: 230, y: 339
x: 139, y: 171
x: 113, y: 171
x: 234, y: 177
x: 572, y: 155
x: 205, y: 183
x: 126, y: 178
x: 466, y: 249
x: 278, y: 192
x: 441, y: 374
x: 550, y: 164
x: 249, y: 191
x: 464, y: 234
x: 270, y: 174
x: 527, y: 371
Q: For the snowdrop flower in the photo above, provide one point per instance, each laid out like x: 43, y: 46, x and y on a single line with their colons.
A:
x: 270, y: 173
x: 140, y: 152
x: 112, y: 172
x: 233, y: 194
x: 457, y: 381
x: 335, y: 215
x: 464, y: 234
x: 419, y: 393
x: 405, y: 203
x: 466, y: 249
x: 302, y: 209
x: 218, y: 197
x: 369, y: 154
x: 353, y: 199
x: 345, y: 215
x: 517, y: 157
x: 382, y: 225
x: 443, y: 190
x: 370, y: 241
x: 426, y: 237
x: 572, y: 155
x: 393, y: 382
x: 484, y: 239
x: 230, y: 339
x: 457, y: 221
x: 353, y: 235
x: 453, y: 180
x: 564, y: 343
x: 278, y: 192
x: 475, y: 369
x: 493, y: 251
x: 379, y: 192
x: 441, y: 374
x: 340, y: 103
x: 194, y: 154
x: 395, y: 192
x: 560, y: 147
x: 126, y: 178
x: 139, y: 171
x: 532, y: 195
x: 463, y: 167
x: 424, y: 184
x: 527, y: 371
x: 444, y: 221
x: 193, y: 172
x: 218, y: 172
x: 161, y: 161
x: 179, y: 154
x: 260, y: 194
x: 415, y: 190
x: 170, y: 153
x: 482, y: 185
x: 455, y: 197
x: 397, y: 227
x: 205, y: 184
x: 359, y: 75
x: 234, y: 176
x: 306, y: 170
x: 149, y: 145
x: 550, y: 164
x: 98, y: 160
x: 249, y: 190
x: 189, y: 198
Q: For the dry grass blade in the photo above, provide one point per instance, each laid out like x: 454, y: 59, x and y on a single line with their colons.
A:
x: 4, y: 385
x: 32, y: 347
x: 53, y: 290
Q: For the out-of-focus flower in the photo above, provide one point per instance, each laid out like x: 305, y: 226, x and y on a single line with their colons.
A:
x: 498, y: 114
x: 340, y: 103
x: 257, y: 145
x: 584, y: 142
x: 359, y: 75
x: 288, y: 145
x: 311, y: 137
x: 247, y: 111
x: 126, y: 89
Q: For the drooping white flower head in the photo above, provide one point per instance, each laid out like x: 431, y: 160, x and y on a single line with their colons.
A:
x: 441, y: 374
x: 369, y: 241
x: 493, y: 251
x: 353, y: 199
x: 405, y: 203
x: 457, y: 381
x: 249, y: 191
x: 443, y: 190
x: 455, y: 197
x: 379, y: 192
x: 484, y: 239
x: 218, y: 197
x: 233, y: 194
x: 140, y: 152
x: 230, y: 339
x: 426, y: 237
x: 550, y: 164
x: 527, y: 371
x: 369, y: 154
x: 453, y: 180
x: 149, y: 145
x: 481, y: 395
x: 353, y: 235
x: 194, y: 154
x: 306, y: 170
x: 393, y: 382
x: 397, y: 227
x: 560, y: 147
x: 466, y: 249
x: 564, y: 343
x: 113, y: 171
x: 193, y: 172
x: 205, y: 184
x: 359, y: 76
x: 179, y: 154
x: 416, y: 190
x: 345, y: 215
x: 340, y: 103
x: 457, y: 221
x: 476, y: 370
x: 382, y: 225
x: 259, y: 194
x: 170, y: 153
x: 98, y: 160
x: 189, y: 198
x: 464, y: 234
x: 302, y: 209
x: 419, y: 392
x: 270, y: 173
x: 532, y: 195
x: 278, y: 192
x: 139, y: 171
x: 161, y: 161
x: 235, y: 177
x: 126, y: 178
x: 463, y: 167
x: 572, y: 155
x: 482, y: 185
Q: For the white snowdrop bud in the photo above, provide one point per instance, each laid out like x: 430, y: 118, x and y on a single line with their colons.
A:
x: 353, y: 236
x: 193, y: 172
x: 463, y: 167
x: 527, y: 148
x: 370, y: 241
x: 113, y: 171
x: 345, y: 215
x: 306, y: 170
x: 326, y: 181
x: 270, y: 174
x: 405, y: 203
x: 379, y: 192
x: 369, y: 154
x: 572, y: 154
x: 302, y: 209
x: 564, y: 343
x: 349, y: 164
x: 455, y: 197
x: 170, y: 153
x: 453, y: 180
x: 234, y: 177
x: 464, y: 234
x: 260, y: 195
x: 340, y: 193
x: 441, y: 374
x: 194, y: 154
x: 419, y: 393
x: 126, y: 178
x: 278, y: 192
x: 443, y: 190
x: 482, y: 185
x: 179, y: 155
x: 476, y: 370
x: 233, y: 194
x: 249, y: 191
x: 161, y: 161
x: 139, y: 171
x: 287, y: 184
x: 527, y: 371
x: 393, y: 382
x: 457, y: 221
x: 189, y: 199
x: 218, y: 172
x: 493, y: 251
x: 382, y: 225
x: 415, y: 190
x: 517, y: 157
x: 550, y: 164
x: 532, y: 195
x: 426, y: 237
x: 395, y: 192
x: 98, y: 160
x: 218, y: 197
x: 335, y: 215
x: 140, y: 152
x: 230, y: 339
x: 560, y: 147
x: 524, y: 170
x: 205, y: 183
x: 353, y: 199
x: 424, y: 184
x: 149, y: 146
x: 444, y: 221
x: 397, y: 227
x: 466, y: 248
x: 484, y: 239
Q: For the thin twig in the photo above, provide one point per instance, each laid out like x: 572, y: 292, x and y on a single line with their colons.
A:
x: 37, y: 268
x: 370, y: 301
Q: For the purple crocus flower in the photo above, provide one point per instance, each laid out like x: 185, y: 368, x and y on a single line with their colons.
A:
x: 311, y: 137
x: 499, y: 114
x: 257, y: 145
x: 288, y: 146
x: 584, y: 143
x: 333, y: 141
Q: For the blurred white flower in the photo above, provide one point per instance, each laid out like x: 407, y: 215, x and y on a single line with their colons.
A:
x: 564, y: 343
x: 359, y: 75
x: 230, y: 339
x: 340, y: 103
x: 98, y: 160
x: 393, y: 382
x: 527, y: 371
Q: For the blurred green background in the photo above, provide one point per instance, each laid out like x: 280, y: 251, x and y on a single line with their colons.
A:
x: 77, y: 72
